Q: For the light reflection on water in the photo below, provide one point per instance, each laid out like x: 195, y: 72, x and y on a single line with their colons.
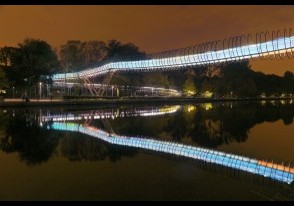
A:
x: 220, y: 128
x: 267, y: 169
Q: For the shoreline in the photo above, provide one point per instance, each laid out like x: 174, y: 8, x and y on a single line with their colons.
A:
x: 128, y: 101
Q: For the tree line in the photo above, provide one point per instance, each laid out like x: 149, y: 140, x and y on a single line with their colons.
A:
x: 23, y: 66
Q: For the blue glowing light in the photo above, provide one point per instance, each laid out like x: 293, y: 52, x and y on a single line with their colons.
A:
x: 280, y: 45
x: 274, y: 171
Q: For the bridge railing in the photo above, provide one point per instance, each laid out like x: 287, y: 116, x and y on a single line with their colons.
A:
x: 263, y: 45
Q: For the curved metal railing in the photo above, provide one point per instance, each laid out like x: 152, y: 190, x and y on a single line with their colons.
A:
x: 263, y: 45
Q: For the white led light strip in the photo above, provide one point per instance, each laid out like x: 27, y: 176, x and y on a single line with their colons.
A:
x: 277, y: 46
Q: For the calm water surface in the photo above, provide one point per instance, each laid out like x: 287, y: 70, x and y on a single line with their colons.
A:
x: 60, y: 153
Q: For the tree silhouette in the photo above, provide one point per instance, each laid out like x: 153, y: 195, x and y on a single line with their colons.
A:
x: 33, y: 143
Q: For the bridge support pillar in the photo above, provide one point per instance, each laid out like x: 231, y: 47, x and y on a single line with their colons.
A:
x: 94, y: 89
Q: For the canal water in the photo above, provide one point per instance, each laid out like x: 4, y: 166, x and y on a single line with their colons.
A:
x: 221, y: 151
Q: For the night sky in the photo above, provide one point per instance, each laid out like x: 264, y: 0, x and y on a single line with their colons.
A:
x: 151, y: 28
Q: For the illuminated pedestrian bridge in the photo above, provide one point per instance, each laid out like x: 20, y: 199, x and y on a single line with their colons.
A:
x: 233, y: 49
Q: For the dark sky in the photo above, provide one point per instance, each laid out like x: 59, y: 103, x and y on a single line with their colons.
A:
x: 152, y: 28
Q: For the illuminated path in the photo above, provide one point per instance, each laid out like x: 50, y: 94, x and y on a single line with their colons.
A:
x: 155, y: 89
x: 275, y: 47
x: 271, y: 170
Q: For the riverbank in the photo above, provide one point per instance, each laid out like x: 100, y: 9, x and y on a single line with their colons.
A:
x: 123, y: 101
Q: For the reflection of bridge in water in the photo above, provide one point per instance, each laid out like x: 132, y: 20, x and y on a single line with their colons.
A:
x: 111, y: 113
x: 271, y: 170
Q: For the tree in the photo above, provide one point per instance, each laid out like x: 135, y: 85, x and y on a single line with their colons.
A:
x: 7, y: 55
x: 118, y: 51
x: 33, y: 59
x: 189, y: 87
x: 113, y: 48
x: 23, y: 135
x: 76, y: 55
x: 92, y: 52
x: 70, y: 56
x: 3, y: 79
x: 157, y: 79
x: 246, y: 88
x: 288, y: 75
x: 206, y: 86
